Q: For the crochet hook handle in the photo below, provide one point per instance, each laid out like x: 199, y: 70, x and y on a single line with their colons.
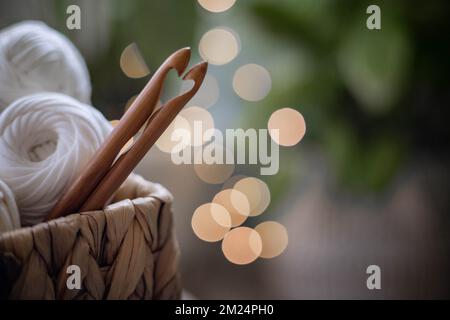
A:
x: 156, y: 127
x: 130, y: 123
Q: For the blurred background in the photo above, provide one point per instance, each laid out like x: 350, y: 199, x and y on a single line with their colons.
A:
x: 369, y: 182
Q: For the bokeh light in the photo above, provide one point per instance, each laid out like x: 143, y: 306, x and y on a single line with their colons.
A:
x: 219, y: 46
x: 207, y: 95
x: 252, y: 82
x: 274, y: 238
x: 236, y: 204
x: 214, y: 173
x: 216, y: 5
x: 166, y: 143
x: 132, y: 63
x: 290, y: 124
x: 242, y: 245
x: 200, y: 121
x: 210, y: 222
x: 257, y: 193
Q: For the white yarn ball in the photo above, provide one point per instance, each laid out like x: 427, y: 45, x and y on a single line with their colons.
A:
x: 36, y: 58
x: 9, y: 214
x: 46, y: 140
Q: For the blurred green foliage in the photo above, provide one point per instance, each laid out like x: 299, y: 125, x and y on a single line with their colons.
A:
x: 370, y: 98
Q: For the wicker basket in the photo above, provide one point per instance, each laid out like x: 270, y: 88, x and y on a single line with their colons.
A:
x: 127, y: 251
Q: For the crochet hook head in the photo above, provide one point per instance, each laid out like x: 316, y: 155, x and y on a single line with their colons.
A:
x: 173, y: 106
x: 146, y: 101
x: 162, y: 117
x: 197, y: 74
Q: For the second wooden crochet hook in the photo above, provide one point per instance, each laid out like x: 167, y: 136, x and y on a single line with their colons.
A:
x: 135, y: 117
x: 157, y: 124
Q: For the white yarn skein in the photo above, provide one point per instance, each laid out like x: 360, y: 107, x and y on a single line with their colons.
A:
x: 9, y: 214
x: 46, y: 139
x: 36, y: 58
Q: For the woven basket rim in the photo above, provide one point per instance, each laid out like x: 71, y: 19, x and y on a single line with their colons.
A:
x: 155, y: 191
x: 126, y: 251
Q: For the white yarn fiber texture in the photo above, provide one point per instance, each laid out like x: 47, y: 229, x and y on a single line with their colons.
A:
x: 36, y: 58
x: 9, y: 214
x: 46, y: 139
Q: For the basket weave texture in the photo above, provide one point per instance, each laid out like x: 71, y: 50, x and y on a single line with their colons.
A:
x: 126, y: 251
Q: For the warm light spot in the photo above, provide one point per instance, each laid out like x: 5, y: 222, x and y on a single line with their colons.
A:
x: 200, y: 121
x: 242, y: 245
x: 236, y: 204
x: 214, y: 173
x: 127, y: 145
x: 216, y: 5
x: 207, y: 95
x: 252, y: 82
x: 290, y: 124
x: 166, y: 142
x: 219, y: 46
x: 257, y: 193
x: 132, y: 63
x: 211, y: 222
x: 274, y: 238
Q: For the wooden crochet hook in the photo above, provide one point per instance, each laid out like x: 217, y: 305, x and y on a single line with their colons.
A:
x: 130, y: 123
x: 156, y: 126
